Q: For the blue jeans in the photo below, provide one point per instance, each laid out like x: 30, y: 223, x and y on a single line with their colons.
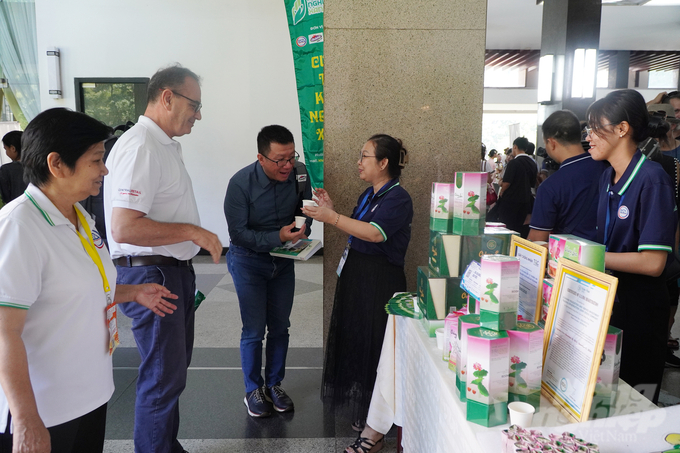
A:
x: 265, y: 286
x: 165, y: 345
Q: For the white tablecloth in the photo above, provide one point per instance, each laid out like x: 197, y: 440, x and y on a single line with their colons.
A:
x: 422, y: 399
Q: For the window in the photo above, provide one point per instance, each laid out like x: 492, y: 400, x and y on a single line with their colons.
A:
x: 663, y: 79
x: 498, y: 77
x: 113, y: 101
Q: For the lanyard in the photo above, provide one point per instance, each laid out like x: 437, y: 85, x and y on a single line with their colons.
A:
x: 607, y: 229
x: 88, y: 245
x: 363, y: 208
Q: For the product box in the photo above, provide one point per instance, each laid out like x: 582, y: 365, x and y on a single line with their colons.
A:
x: 494, y: 241
x: 606, y: 388
x: 548, y: 284
x: 431, y: 325
x: 526, y: 363
x: 444, y: 256
x: 441, y: 207
x: 487, y: 384
x: 451, y: 336
x: 436, y: 295
x: 464, y: 323
x: 574, y: 248
x: 500, y: 298
x: 469, y: 203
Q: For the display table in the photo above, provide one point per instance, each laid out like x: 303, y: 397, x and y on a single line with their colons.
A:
x: 421, y: 391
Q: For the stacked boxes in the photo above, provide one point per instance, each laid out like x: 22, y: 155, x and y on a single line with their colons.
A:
x: 574, y: 248
x: 487, y: 381
x: 444, y: 256
x: 441, y: 207
x: 526, y: 363
x: 500, y: 286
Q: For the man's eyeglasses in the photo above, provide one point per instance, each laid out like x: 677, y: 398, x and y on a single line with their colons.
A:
x: 593, y: 130
x: 195, y: 104
x: 283, y: 162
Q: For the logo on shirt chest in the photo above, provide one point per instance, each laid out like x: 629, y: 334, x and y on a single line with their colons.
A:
x: 375, y: 207
x: 624, y: 212
x: 97, y: 239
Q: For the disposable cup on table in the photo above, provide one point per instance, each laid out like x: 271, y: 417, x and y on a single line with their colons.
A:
x: 521, y: 413
x: 440, y: 338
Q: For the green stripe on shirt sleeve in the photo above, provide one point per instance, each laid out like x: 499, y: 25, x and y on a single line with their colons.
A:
x: 663, y: 248
x: 11, y: 305
x: 381, y: 231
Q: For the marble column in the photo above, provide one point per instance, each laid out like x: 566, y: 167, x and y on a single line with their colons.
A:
x: 413, y: 70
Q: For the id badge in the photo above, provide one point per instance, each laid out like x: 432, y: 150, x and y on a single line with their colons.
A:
x: 343, y: 258
x: 112, y: 323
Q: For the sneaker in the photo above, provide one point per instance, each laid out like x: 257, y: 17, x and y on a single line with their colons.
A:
x: 672, y: 361
x: 256, y: 402
x: 279, y: 398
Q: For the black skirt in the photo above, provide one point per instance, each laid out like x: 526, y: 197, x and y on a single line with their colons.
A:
x: 357, y: 330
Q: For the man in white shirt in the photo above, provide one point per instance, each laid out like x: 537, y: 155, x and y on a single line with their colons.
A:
x: 154, y: 231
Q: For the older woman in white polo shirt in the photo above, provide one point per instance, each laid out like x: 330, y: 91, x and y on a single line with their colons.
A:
x: 58, y: 293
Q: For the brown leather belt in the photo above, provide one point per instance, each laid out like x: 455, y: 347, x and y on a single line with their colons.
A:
x: 150, y: 260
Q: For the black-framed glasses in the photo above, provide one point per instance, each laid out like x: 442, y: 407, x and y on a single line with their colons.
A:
x: 362, y: 156
x: 593, y: 130
x: 283, y: 162
x: 195, y: 104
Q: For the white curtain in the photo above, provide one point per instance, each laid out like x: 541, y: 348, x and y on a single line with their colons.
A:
x: 19, y: 53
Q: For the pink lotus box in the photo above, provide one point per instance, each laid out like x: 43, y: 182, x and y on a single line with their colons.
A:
x: 464, y: 323
x: 526, y: 363
x: 441, y: 207
x: 469, y: 203
x: 500, y: 292
x: 487, y: 384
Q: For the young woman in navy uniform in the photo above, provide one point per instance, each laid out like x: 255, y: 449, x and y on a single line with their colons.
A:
x: 636, y: 221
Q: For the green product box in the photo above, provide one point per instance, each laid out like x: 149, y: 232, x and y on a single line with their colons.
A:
x: 465, y: 322
x: 526, y: 363
x: 469, y: 203
x: 431, y: 325
x: 487, y: 383
x: 444, y: 255
x: 441, y: 207
x: 500, y: 300
x: 494, y: 241
x: 574, y: 248
x: 437, y: 294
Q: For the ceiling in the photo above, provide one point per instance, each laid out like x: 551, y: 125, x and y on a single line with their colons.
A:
x: 516, y: 24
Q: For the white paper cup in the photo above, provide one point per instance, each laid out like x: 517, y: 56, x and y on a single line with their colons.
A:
x: 309, y: 203
x: 299, y: 221
x: 440, y: 338
x: 521, y: 413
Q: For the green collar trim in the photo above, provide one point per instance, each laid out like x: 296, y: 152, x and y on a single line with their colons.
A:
x: 642, y: 160
x: 45, y: 215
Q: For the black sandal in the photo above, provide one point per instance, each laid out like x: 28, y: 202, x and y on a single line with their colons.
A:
x: 358, y: 426
x: 366, y: 445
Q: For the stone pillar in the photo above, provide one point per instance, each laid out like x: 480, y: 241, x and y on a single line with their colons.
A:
x: 413, y: 70
x: 568, y: 25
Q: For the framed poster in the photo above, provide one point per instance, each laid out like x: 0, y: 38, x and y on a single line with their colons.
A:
x: 532, y: 262
x: 575, y: 331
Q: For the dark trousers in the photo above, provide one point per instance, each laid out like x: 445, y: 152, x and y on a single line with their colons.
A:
x: 84, y: 434
x: 165, y: 345
x: 265, y: 286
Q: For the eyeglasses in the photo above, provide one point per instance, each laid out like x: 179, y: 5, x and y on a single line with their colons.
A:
x: 362, y: 156
x: 196, y: 104
x: 593, y: 130
x: 283, y: 162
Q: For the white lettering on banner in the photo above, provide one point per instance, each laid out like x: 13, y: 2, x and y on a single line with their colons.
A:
x: 314, y: 7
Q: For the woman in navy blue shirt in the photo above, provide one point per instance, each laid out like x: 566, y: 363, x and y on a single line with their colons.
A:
x: 371, y: 270
x: 636, y: 221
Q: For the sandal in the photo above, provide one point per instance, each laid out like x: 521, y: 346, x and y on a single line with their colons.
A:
x: 358, y: 426
x: 366, y: 445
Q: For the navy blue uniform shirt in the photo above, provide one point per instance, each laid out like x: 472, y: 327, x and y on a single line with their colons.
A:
x: 561, y: 199
x: 638, y: 212
x: 390, y: 211
x: 256, y: 208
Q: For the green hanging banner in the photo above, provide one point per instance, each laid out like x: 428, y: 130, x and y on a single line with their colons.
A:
x: 305, y: 24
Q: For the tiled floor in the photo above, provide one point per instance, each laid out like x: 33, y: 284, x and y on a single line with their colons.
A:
x: 213, y: 417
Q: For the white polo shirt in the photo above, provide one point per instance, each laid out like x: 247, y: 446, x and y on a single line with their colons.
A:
x: 147, y: 174
x: 45, y: 269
